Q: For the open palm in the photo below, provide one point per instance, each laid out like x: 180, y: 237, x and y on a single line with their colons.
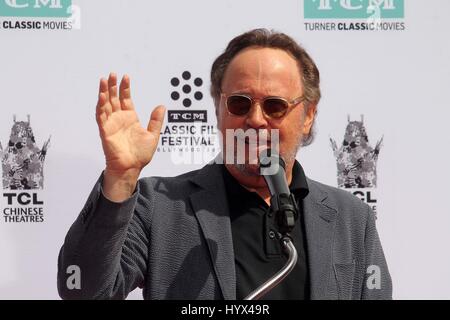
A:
x: 126, y: 144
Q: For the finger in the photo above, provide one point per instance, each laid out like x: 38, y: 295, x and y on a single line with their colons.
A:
x: 112, y: 87
x: 156, y: 120
x: 101, y: 114
x: 125, y: 94
x: 104, y: 87
x: 103, y: 104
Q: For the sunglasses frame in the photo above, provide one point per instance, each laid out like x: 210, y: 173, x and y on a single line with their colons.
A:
x: 290, y: 104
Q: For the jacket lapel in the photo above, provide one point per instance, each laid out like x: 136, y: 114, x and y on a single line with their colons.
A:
x: 211, y: 209
x: 320, y: 218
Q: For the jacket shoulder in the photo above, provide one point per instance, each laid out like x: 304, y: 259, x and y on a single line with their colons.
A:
x: 184, y: 184
x: 347, y: 205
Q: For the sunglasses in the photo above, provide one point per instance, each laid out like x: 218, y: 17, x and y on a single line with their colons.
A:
x: 273, y: 107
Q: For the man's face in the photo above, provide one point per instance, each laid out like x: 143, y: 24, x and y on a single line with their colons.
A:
x: 259, y: 73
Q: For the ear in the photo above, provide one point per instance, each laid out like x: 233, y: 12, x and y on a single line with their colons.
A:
x: 310, y: 114
x: 216, y: 106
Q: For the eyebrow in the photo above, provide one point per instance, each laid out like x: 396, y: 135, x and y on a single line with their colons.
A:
x: 252, y: 94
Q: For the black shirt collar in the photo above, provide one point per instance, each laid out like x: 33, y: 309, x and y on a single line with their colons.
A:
x: 299, y: 185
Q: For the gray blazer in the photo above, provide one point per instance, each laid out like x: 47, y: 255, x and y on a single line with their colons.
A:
x: 173, y: 239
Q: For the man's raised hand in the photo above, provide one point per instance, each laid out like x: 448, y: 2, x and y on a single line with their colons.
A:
x: 128, y: 147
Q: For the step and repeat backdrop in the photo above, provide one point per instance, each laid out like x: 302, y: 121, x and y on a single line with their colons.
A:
x: 385, y: 112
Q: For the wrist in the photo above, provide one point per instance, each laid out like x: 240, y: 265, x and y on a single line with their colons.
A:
x: 119, y: 185
x: 125, y: 175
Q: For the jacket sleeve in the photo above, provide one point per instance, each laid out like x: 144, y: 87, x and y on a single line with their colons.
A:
x: 377, y: 284
x: 108, y: 246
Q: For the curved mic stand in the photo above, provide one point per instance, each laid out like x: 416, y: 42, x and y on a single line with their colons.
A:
x: 283, y: 204
x: 290, y: 250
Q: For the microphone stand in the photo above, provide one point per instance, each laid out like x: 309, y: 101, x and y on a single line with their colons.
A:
x: 285, y: 209
x: 290, y: 250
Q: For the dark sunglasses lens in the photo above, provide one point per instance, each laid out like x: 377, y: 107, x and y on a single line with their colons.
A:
x: 275, y: 107
x: 239, y: 105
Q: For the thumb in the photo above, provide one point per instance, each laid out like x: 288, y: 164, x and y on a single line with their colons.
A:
x: 156, y: 120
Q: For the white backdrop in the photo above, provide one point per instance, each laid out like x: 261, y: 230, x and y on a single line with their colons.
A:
x: 399, y: 81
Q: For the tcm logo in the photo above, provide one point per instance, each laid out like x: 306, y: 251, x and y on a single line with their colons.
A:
x: 187, y: 90
x: 35, y: 8
x: 187, y: 116
x: 353, y: 9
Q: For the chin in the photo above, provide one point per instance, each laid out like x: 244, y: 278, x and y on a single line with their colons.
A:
x: 249, y: 175
x: 248, y: 169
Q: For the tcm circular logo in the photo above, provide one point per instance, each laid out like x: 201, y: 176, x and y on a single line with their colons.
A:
x: 188, y: 135
x: 186, y: 89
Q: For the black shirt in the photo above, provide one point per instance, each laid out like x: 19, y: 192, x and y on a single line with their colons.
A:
x: 258, y: 253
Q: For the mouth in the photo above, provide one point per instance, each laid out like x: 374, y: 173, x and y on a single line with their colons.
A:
x: 249, y: 141
x: 253, y: 149
x: 254, y: 141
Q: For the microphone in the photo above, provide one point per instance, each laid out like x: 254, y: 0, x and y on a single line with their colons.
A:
x: 273, y: 169
x: 282, y: 202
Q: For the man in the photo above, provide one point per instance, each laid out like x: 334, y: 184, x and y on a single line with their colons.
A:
x: 208, y: 234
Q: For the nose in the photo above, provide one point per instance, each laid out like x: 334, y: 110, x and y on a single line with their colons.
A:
x: 256, y: 118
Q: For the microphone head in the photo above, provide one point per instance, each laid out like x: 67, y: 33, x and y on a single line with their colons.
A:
x: 282, y: 202
x: 270, y: 162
